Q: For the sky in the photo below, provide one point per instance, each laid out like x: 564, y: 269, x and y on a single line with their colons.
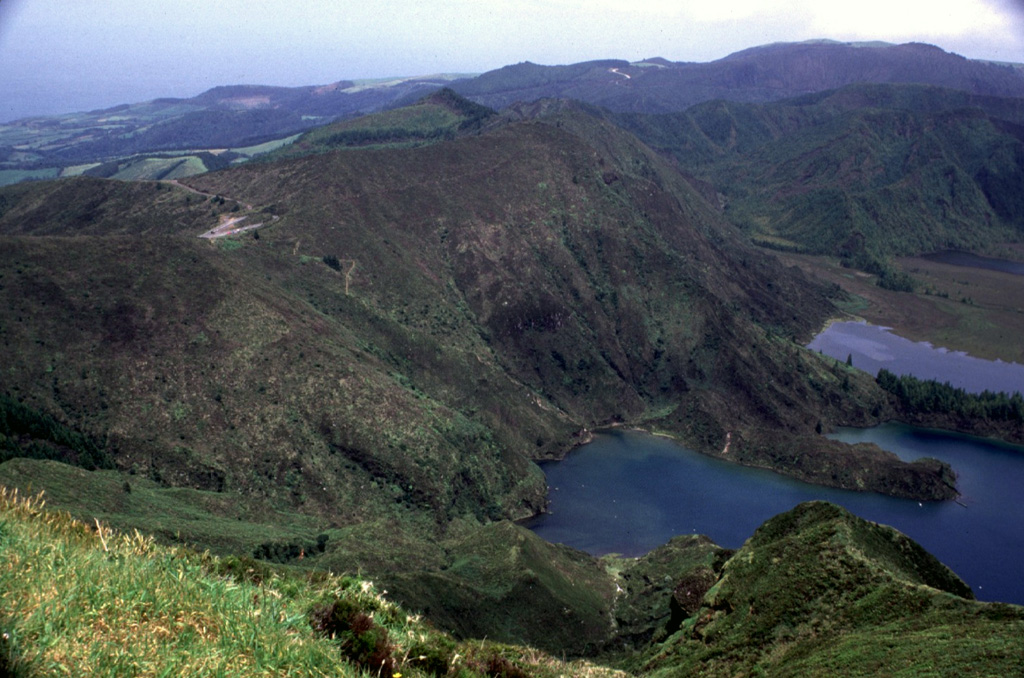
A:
x: 59, y: 56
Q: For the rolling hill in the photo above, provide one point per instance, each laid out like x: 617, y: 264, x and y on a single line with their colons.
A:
x: 230, y: 123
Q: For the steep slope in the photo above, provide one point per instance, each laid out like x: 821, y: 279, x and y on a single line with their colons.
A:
x: 81, y: 597
x: 383, y: 358
x: 818, y: 591
x: 488, y: 298
x: 598, y: 277
x: 864, y: 172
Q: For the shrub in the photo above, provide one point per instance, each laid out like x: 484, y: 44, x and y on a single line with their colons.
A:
x: 282, y: 552
x: 359, y: 638
x: 27, y: 432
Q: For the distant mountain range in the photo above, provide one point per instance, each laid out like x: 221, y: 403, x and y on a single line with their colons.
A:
x: 758, y: 74
x: 235, y: 121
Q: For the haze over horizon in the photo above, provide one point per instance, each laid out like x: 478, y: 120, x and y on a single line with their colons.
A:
x: 63, y: 56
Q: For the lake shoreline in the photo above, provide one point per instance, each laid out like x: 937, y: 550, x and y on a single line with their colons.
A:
x: 632, y: 491
x: 977, y: 311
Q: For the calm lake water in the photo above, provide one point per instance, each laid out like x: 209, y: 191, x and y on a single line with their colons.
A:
x: 629, y: 492
x: 872, y: 348
x: 974, y: 261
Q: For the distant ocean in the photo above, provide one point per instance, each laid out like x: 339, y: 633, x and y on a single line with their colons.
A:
x: 26, y: 97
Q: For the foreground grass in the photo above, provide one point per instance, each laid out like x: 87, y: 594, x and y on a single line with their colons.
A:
x: 78, y: 600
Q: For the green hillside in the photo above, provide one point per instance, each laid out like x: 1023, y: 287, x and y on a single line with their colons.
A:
x: 81, y: 599
x: 866, y: 172
x: 815, y: 591
x: 370, y: 375
x: 437, y: 117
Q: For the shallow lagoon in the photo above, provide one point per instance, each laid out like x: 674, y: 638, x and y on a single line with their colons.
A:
x: 872, y: 347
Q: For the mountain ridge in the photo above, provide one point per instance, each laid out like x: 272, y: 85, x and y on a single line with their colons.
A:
x: 237, y: 117
x: 863, y: 172
x: 756, y: 74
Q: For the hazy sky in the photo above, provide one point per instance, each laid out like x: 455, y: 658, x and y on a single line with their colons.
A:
x: 68, y: 55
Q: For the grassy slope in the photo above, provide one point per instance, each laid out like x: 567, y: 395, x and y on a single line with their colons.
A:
x: 817, y: 591
x: 225, y: 522
x: 80, y: 598
x: 500, y: 581
x: 437, y: 117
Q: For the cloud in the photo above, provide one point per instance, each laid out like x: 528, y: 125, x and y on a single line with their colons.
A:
x: 887, y: 19
x: 1009, y: 7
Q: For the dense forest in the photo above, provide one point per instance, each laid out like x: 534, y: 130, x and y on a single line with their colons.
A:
x: 921, y: 396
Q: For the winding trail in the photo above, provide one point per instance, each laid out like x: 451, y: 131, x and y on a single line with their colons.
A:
x: 227, y: 227
x: 188, y: 188
x: 227, y: 224
x: 348, y: 275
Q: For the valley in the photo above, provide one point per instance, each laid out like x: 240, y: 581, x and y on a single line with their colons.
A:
x: 351, y: 350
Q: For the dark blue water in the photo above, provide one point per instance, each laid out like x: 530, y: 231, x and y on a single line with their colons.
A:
x: 873, y: 347
x: 629, y: 492
x: 974, y: 261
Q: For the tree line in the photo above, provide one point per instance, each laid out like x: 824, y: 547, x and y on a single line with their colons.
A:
x: 920, y: 396
x: 27, y: 432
